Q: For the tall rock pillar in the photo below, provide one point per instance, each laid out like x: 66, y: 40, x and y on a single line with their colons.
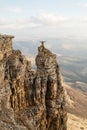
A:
x: 51, y: 91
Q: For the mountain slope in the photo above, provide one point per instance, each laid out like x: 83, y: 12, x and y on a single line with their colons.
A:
x: 76, y: 123
x: 76, y: 102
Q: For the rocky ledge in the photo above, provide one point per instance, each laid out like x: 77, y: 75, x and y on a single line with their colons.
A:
x: 30, y: 100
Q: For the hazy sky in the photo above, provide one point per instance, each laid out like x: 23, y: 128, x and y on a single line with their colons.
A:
x: 33, y: 19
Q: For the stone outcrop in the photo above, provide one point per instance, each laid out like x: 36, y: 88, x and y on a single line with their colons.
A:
x: 5, y: 46
x: 30, y: 100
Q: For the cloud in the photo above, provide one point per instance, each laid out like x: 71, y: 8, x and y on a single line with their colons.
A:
x: 17, y: 24
x: 42, y: 19
x: 49, y: 19
x: 82, y: 4
x: 45, y: 24
x: 15, y: 10
x: 55, y: 20
x: 12, y: 10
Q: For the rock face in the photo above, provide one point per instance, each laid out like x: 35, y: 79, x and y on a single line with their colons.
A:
x: 30, y: 100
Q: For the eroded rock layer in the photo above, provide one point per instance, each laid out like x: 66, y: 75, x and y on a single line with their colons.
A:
x: 30, y: 100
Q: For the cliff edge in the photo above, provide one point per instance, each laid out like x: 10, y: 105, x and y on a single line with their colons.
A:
x: 30, y: 100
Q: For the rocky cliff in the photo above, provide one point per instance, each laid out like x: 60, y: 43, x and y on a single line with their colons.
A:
x: 30, y: 100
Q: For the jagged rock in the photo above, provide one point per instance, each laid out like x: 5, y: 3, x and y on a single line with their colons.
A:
x: 35, y: 99
x: 5, y: 46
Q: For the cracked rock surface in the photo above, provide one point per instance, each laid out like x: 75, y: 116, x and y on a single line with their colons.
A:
x: 30, y: 100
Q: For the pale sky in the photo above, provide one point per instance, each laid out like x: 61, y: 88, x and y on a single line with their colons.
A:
x: 33, y: 19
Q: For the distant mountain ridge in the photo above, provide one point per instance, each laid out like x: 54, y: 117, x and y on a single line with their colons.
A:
x: 63, y: 46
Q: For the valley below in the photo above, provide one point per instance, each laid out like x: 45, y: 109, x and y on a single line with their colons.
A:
x: 74, y: 71
x: 77, y: 108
